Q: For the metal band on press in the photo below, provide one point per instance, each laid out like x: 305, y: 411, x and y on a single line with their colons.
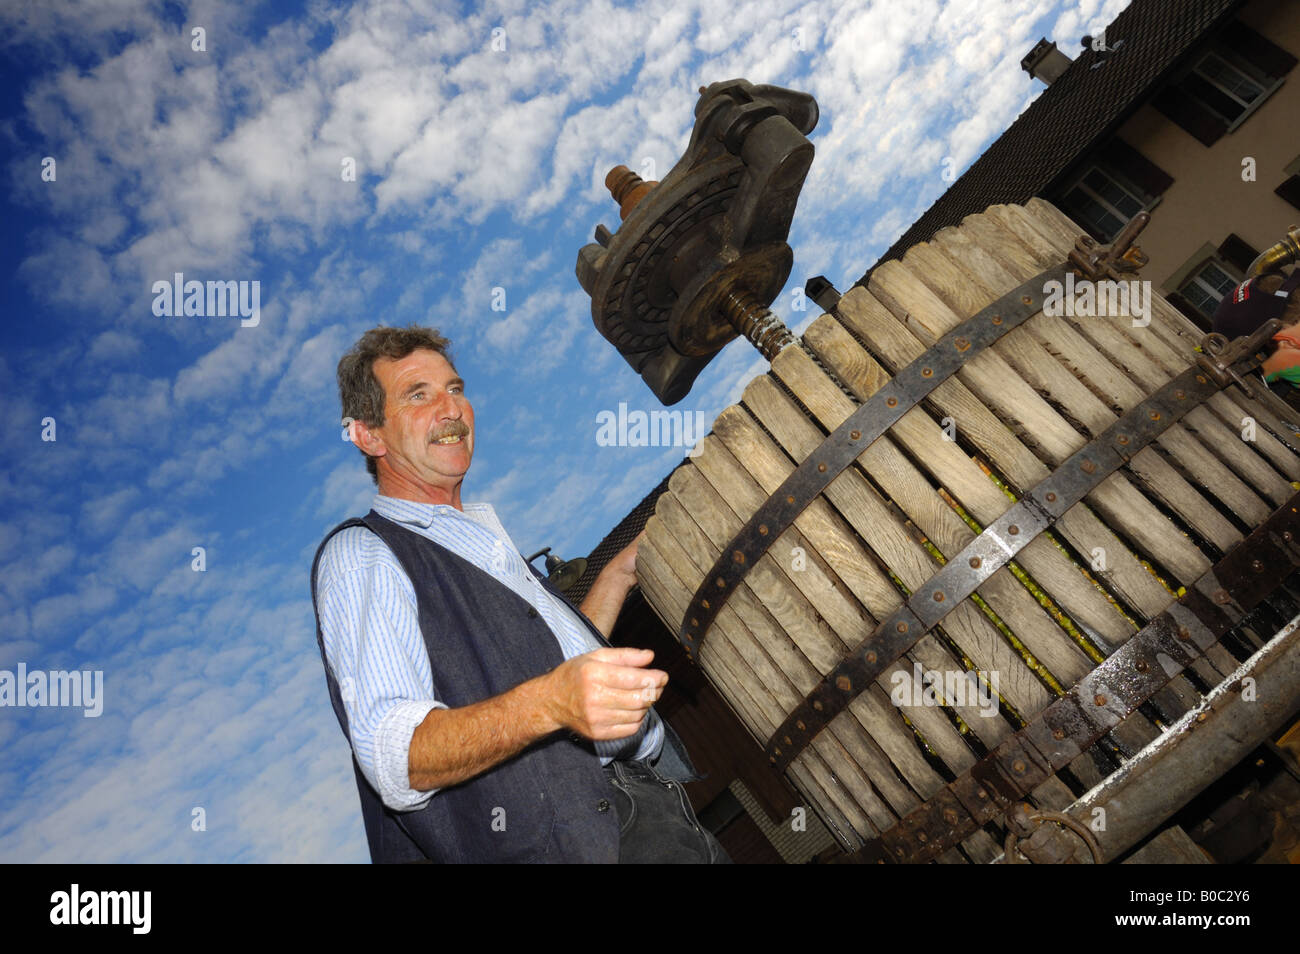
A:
x: 848, y: 441
x: 987, y: 553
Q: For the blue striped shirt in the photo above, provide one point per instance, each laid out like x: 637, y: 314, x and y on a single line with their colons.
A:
x: 372, y: 635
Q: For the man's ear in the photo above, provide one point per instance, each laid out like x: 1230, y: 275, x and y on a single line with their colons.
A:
x: 366, y: 439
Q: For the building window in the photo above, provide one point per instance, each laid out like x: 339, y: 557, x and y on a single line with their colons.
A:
x: 1224, y: 88
x: 1207, y: 286
x: 1225, y: 84
x: 1116, y: 183
x: 1101, y: 203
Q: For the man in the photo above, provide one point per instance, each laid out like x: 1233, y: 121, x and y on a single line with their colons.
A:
x: 488, y: 717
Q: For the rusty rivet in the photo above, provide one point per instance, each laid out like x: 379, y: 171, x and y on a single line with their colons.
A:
x: 1026, y: 299
x: 938, y: 596
x: 1058, y: 734
x: 738, y: 556
x: 1200, y: 378
x: 762, y: 529
x: 975, y: 563
x: 926, y: 372
x: 1141, y: 665
x: 1184, y: 634
x: 694, y: 621
x: 901, y: 627
x: 854, y: 435
x: 788, y: 740
x: 790, y: 499
x: 800, y: 725
x: 1018, y: 766
x: 1099, y: 699
x: 1087, y: 466
x: 962, y: 344
x: 1013, y: 529
x: 704, y: 603
x: 821, y: 468
x: 817, y: 705
x: 1154, y: 415
x: 898, y: 851
x: 722, y: 584
x: 1257, y: 566
x: 891, y: 402
x: 1180, y: 394
x: 871, y: 658
x: 1051, y: 498
x: 843, y: 684
x: 981, y: 794
x: 1123, y: 438
x: 950, y: 816
x: 920, y: 836
x: 1222, y: 598
x: 1202, y: 717
x: 997, y: 319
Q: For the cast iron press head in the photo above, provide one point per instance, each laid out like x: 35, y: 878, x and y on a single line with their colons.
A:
x: 701, y: 255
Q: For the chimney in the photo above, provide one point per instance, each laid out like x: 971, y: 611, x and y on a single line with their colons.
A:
x: 1045, y: 62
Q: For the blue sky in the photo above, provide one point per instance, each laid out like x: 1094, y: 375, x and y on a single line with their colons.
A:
x: 476, y: 168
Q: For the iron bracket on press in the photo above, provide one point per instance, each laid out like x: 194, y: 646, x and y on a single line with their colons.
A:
x: 1169, y: 643
x: 701, y: 255
x: 1219, y: 355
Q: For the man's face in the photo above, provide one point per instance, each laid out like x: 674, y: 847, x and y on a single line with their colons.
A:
x: 428, y: 430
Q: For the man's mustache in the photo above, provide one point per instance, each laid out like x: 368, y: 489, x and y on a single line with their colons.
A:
x: 454, y: 429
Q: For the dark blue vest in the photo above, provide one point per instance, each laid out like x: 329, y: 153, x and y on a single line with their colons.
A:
x: 547, y: 804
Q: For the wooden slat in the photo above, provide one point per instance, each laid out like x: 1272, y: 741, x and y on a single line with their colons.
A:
x: 950, y: 467
x: 716, y: 518
x: 730, y: 657
x: 1045, y: 367
x: 1022, y: 257
x: 849, y: 735
x: 996, y: 383
x: 769, y: 467
x: 907, y: 488
x: 1124, y: 574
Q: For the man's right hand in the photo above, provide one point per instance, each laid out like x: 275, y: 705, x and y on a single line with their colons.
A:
x: 604, y: 694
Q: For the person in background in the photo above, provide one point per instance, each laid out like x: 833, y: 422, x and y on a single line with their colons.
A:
x: 1260, y: 299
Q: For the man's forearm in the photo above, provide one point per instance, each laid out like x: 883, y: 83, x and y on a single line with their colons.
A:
x: 605, y: 600
x: 603, y: 694
x: 453, y: 745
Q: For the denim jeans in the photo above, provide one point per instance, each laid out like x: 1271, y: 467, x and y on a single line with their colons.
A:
x: 657, y: 824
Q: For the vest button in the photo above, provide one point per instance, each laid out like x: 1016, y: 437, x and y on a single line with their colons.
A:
x: 532, y: 613
x: 602, y: 805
